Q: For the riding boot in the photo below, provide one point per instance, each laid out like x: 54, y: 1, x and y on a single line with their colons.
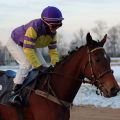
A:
x: 15, y: 98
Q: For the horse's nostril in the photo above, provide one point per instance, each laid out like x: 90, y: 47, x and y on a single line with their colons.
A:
x: 114, y: 91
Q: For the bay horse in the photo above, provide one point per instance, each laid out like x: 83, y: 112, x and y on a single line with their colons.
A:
x: 52, y: 99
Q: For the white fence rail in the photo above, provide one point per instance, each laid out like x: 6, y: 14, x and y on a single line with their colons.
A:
x: 115, y: 61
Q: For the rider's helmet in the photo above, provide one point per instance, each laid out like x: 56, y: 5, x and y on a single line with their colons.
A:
x: 52, y: 15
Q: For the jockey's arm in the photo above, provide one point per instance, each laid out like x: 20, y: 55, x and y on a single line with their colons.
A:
x: 29, y: 47
x: 53, y: 53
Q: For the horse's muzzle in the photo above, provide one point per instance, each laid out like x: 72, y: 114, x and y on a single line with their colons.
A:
x: 114, y: 91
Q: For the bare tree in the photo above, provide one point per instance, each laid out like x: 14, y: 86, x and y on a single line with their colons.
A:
x: 79, y: 39
x: 63, y: 47
x: 1, y: 54
x: 100, y: 29
x: 113, y: 45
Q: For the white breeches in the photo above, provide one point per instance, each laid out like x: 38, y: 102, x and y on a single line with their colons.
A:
x: 24, y: 66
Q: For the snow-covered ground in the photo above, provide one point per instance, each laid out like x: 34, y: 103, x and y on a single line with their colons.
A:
x: 87, y: 96
x: 87, y: 93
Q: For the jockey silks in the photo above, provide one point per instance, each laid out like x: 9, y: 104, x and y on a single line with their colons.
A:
x: 33, y: 35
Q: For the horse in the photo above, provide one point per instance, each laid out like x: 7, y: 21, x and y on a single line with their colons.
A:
x: 55, y: 90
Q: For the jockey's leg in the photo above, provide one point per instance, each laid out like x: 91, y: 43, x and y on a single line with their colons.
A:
x: 24, y: 67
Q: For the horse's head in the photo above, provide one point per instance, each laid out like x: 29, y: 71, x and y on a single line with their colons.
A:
x: 89, y: 61
x: 97, y: 67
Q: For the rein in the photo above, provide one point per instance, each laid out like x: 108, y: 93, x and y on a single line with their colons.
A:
x: 94, y: 80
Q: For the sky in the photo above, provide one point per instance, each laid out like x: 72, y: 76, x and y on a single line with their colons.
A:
x: 77, y: 13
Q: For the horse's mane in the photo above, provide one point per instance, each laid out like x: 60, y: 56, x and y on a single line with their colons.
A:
x: 94, y: 44
x: 70, y: 53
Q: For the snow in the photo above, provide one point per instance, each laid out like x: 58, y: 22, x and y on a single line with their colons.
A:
x: 87, y: 93
x: 87, y: 96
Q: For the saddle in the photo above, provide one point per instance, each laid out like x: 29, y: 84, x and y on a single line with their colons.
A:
x: 6, y: 84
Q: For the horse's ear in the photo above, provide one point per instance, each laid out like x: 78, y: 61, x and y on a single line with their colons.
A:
x: 89, y: 38
x: 103, y: 40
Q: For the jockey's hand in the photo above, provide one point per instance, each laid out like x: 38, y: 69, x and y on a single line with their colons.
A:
x: 51, y: 68
x: 42, y: 69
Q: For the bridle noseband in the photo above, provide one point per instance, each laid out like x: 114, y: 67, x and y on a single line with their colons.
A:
x: 94, y: 79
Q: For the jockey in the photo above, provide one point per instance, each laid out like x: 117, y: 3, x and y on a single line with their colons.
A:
x: 25, y: 41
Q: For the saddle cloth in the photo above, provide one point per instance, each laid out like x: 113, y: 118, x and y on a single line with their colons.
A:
x: 6, y: 83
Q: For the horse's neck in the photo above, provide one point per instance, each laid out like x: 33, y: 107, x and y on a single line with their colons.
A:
x: 66, y: 82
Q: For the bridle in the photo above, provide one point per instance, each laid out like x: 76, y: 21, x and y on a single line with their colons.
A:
x: 95, y: 79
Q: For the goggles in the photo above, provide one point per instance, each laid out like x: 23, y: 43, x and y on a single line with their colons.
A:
x: 53, y: 25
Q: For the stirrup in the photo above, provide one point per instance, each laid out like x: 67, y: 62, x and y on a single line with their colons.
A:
x: 16, y: 100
